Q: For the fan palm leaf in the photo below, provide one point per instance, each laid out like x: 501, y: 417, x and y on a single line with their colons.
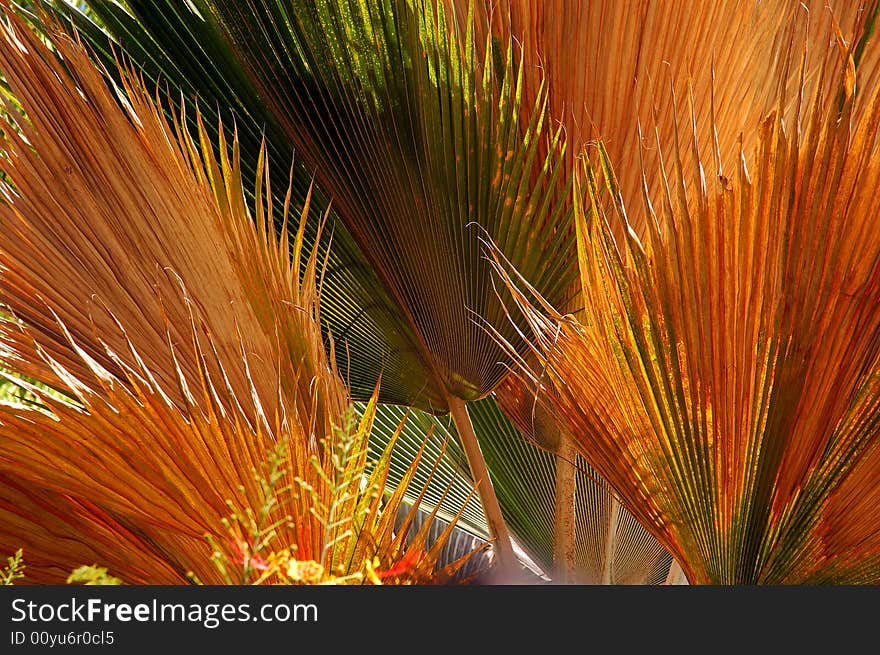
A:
x: 724, y: 378
x: 613, y: 68
x: 185, y: 342
x: 414, y: 144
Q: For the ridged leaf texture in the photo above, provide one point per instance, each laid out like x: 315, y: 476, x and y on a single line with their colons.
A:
x: 724, y: 377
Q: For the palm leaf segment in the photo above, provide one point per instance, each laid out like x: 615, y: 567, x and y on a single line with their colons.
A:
x: 614, y: 70
x: 386, y: 102
x: 725, y: 377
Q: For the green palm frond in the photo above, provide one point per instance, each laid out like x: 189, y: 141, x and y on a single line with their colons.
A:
x: 420, y: 144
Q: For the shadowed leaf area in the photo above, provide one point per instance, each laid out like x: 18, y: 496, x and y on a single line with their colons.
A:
x: 424, y: 145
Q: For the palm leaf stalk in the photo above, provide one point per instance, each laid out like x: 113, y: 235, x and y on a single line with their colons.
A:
x: 564, y: 527
x: 726, y: 377
x: 529, y: 503
x: 531, y: 420
x: 595, y: 540
x: 186, y: 346
x: 536, y: 425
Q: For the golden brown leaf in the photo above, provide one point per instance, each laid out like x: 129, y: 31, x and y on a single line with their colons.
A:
x: 724, y: 377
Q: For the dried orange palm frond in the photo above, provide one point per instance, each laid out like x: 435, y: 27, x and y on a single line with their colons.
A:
x: 117, y: 224
x: 611, y: 66
x: 724, y: 379
x: 58, y: 533
x: 183, y: 337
